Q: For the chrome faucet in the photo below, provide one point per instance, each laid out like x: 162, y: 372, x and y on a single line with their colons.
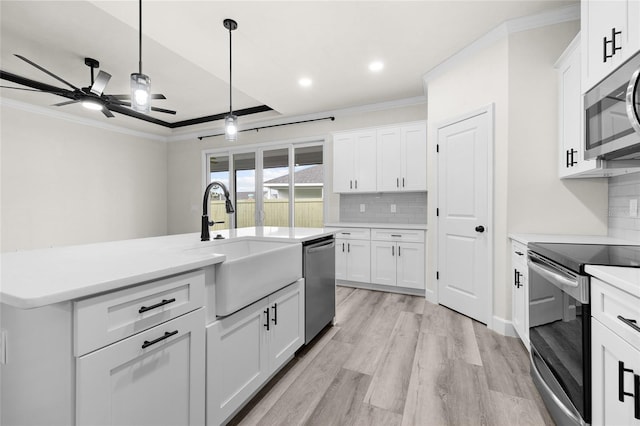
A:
x: 204, y: 235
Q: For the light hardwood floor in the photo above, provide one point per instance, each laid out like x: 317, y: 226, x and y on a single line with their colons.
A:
x: 396, y: 360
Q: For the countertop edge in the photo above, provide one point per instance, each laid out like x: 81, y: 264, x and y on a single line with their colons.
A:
x: 625, y: 279
x: 412, y: 226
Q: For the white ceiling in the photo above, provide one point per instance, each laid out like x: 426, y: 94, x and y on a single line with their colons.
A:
x: 185, y: 50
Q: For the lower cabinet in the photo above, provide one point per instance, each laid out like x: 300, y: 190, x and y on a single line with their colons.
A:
x: 520, y: 291
x: 247, y: 347
x: 397, y: 264
x: 156, y: 377
x: 353, y: 258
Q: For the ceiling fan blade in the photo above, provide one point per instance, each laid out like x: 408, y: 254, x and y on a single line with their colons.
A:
x: 106, y: 112
x: 65, y: 103
x: 22, y: 88
x: 46, y: 71
x: 100, y: 82
x: 128, y: 97
x: 168, y: 111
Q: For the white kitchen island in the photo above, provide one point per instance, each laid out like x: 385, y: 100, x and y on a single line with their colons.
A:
x: 117, y: 332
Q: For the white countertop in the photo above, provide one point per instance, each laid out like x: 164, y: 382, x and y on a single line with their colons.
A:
x: 376, y: 225
x: 576, y: 239
x: 626, y: 279
x: 42, y: 277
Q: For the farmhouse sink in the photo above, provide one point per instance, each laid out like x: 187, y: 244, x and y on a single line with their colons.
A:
x: 253, y: 269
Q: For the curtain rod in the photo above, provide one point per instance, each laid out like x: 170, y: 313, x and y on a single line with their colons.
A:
x: 273, y: 125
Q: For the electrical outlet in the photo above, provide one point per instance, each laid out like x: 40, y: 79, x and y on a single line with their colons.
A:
x: 633, y: 207
x: 393, y: 208
x: 362, y: 208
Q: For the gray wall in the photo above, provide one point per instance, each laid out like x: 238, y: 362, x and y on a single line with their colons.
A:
x: 411, y: 208
x: 622, y: 189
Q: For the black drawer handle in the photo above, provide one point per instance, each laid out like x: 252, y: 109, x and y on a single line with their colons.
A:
x: 166, y: 335
x: 275, y: 314
x: 636, y: 398
x: 157, y: 305
x: 397, y: 235
x: 630, y: 322
x: 519, y: 253
x: 266, y: 311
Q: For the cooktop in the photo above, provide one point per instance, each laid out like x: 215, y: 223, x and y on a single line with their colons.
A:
x: 576, y: 256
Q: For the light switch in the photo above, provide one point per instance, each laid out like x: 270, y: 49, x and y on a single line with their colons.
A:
x: 633, y: 207
x: 393, y: 208
x: 362, y: 208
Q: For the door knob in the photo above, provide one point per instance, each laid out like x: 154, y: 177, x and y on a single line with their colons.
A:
x: 479, y: 228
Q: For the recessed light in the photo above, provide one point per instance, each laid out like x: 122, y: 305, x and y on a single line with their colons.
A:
x: 305, y: 82
x: 376, y: 66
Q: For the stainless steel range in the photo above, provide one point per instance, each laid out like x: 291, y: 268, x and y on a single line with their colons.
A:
x: 560, y: 322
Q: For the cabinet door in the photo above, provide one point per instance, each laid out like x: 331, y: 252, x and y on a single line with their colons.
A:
x: 611, y: 358
x: 358, y: 260
x: 365, y: 162
x: 414, y: 158
x: 286, y: 330
x: 237, y: 360
x: 520, y: 289
x: 410, y: 262
x: 341, y: 259
x: 343, y: 162
x: 134, y: 382
x: 383, y: 262
x: 389, y: 155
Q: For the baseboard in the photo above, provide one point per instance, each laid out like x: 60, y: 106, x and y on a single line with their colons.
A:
x: 502, y: 326
x: 431, y: 296
x: 377, y: 287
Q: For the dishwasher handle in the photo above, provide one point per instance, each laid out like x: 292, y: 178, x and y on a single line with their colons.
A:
x: 324, y: 245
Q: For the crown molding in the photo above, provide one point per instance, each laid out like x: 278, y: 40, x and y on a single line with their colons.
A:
x: 512, y: 26
x: 381, y: 106
x: 35, y: 109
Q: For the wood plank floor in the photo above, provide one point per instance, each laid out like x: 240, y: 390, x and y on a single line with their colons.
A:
x: 397, y: 360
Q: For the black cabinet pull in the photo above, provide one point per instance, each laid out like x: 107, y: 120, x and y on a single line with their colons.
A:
x: 350, y: 184
x: 157, y: 305
x: 398, y: 251
x: 266, y: 311
x: 630, y: 322
x: 393, y: 253
x: 516, y: 276
x: 519, y: 253
x: 403, y: 182
x: 275, y: 314
x: 621, y: 371
x: 397, y: 182
x: 636, y: 397
x: 348, y: 247
x: 397, y: 235
x: 568, y: 159
x: 356, y: 183
x: 343, y: 247
x: 612, y: 42
x: 166, y: 335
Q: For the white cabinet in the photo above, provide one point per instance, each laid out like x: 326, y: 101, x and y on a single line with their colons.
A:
x: 520, y: 291
x: 354, y: 161
x: 397, y: 259
x: 155, y: 377
x: 610, y: 36
x: 402, y: 156
x: 247, y: 347
x: 353, y: 255
x: 615, y: 342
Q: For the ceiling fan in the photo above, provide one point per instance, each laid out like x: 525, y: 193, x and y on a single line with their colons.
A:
x: 91, y: 97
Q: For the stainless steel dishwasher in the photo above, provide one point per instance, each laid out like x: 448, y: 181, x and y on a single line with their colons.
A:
x: 319, y: 273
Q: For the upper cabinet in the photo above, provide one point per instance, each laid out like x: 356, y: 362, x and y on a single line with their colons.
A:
x: 402, y: 157
x: 354, y: 161
x: 384, y: 159
x: 610, y: 36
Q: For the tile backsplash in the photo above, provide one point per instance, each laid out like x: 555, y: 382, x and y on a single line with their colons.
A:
x: 624, y: 220
x: 410, y: 208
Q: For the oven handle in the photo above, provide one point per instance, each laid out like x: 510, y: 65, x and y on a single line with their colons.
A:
x: 551, y: 274
x: 632, y: 108
x: 568, y: 412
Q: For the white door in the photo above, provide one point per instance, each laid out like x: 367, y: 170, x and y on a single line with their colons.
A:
x: 155, y: 377
x: 463, y: 220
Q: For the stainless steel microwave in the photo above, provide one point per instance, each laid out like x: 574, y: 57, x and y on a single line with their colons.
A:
x: 612, y: 115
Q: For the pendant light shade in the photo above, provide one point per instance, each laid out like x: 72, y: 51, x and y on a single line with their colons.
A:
x: 231, y: 121
x: 140, y: 83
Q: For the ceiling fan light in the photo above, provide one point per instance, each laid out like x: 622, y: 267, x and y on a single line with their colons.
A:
x: 140, y: 92
x: 231, y: 128
x: 93, y: 105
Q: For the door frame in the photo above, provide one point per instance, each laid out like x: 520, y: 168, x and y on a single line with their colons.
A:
x: 489, y: 110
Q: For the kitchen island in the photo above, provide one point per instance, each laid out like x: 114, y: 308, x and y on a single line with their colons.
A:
x: 107, y: 332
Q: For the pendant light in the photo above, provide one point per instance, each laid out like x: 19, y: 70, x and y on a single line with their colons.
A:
x: 231, y: 121
x: 140, y: 83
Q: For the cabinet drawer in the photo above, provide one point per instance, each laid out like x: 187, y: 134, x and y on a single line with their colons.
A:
x: 608, y: 302
x: 519, y: 253
x: 354, y: 233
x: 104, y: 319
x: 406, y: 235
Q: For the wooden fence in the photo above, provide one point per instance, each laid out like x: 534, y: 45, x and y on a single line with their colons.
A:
x: 276, y: 213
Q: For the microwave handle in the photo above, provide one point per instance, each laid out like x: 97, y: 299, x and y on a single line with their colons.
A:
x: 632, y: 107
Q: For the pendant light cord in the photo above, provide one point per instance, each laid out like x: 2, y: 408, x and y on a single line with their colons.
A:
x: 140, y: 37
x: 230, y: 73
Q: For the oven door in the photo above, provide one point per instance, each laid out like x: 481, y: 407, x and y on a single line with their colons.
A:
x: 559, y: 332
x: 612, y: 115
